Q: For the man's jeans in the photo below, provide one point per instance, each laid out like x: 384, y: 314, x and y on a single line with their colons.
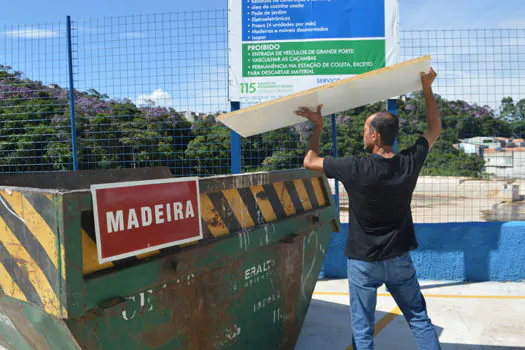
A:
x: 399, y: 275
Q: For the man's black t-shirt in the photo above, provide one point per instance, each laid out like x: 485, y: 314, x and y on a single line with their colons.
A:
x: 379, y: 192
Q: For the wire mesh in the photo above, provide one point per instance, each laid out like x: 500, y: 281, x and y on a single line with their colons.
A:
x: 35, y: 133
x: 479, y: 66
x: 282, y: 149
x: 149, y: 89
x: 476, y: 172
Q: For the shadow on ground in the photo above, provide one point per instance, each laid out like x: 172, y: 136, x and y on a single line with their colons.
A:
x: 327, y: 326
x: 447, y: 284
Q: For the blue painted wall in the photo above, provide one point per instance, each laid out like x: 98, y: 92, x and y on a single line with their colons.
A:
x: 480, y: 251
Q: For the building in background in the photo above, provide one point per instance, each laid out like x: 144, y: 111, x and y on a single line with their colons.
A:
x: 504, y: 157
x: 476, y: 145
x: 505, y: 162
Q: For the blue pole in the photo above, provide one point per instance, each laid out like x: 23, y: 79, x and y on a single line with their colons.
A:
x: 391, y: 106
x: 71, y: 94
x: 334, y: 154
x: 235, y: 144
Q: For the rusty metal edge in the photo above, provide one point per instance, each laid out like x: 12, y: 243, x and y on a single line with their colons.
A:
x: 225, y: 182
x: 81, y: 180
x: 222, y: 182
x: 337, y: 221
x: 69, y: 210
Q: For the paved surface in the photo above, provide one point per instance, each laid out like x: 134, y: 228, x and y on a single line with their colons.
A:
x: 467, y: 316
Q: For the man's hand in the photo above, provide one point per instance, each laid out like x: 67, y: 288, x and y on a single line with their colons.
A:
x: 312, y: 160
x: 428, y: 79
x: 315, y: 117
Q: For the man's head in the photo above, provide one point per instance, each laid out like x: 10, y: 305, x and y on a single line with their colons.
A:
x: 380, y: 130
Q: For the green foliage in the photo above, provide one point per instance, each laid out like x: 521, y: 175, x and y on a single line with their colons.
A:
x: 208, y: 153
x: 35, y: 133
x: 444, y: 160
x: 27, y: 131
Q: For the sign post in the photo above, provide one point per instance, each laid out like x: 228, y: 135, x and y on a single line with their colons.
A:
x: 235, y: 152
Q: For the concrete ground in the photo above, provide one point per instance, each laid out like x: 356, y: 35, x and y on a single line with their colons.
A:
x: 467, y: 316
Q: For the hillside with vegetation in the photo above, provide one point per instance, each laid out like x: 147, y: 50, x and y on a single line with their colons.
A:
x: 35, y: 133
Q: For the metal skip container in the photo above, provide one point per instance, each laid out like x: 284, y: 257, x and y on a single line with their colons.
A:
x: 245, y: 282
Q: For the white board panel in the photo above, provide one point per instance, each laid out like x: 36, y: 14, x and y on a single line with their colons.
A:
x: 336, y: 97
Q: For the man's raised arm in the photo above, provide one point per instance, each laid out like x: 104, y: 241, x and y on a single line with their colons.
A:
x: 432, y: 114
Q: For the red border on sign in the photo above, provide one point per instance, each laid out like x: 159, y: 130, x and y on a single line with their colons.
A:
x: 136, y: 240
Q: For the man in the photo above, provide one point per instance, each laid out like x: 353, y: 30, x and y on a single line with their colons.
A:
x: 381, y: 231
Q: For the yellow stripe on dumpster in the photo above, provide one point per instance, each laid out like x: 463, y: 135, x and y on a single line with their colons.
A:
x: 284, y: 198
x: 318, y: 189
x: 303, y: 195
x: 10, y: 287
x: 90, y: 262
x: 37, y: 226
x: 239, y: 208
x: 35, y: 273
x: 212, y: 218
x: 147, y: 255
x: 264, y: 203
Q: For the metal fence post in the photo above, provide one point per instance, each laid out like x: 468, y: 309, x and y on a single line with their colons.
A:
x: 391, y: 106
x: 235, y: 144
x: 71, y: 94
x: 334, y: 154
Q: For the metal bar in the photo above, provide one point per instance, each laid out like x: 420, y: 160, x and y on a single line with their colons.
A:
x: 208, y: 184
x: 71, y: 94
x: 391, y: 106
x: 334, y: 154
x: 235, y: 144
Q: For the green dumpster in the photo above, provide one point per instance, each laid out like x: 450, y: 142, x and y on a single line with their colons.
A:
x: 245, y: 284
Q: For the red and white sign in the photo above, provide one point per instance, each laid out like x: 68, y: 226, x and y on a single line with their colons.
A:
x: 142, y: 216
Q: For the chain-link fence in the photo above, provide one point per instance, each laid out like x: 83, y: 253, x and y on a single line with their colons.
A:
x: 148, y: 89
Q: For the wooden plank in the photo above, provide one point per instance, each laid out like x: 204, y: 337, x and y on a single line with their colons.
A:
x: 339, y: 96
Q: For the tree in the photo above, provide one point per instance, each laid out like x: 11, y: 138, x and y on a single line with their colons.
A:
x: 520, y: 110
x: 208, y: 153
x: 508, y: 110
x: 28, y: 139
x: 518, y: 125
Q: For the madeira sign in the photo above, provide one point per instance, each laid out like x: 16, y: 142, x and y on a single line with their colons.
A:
x: 134, y: 218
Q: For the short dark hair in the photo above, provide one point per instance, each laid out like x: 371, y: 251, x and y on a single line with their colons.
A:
x: 387, y: 125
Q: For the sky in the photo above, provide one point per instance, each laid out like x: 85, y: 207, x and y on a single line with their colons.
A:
x: 182, y: 58
x: 415, y: 14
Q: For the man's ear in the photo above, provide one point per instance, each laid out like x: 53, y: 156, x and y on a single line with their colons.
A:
x: 376, y: 136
